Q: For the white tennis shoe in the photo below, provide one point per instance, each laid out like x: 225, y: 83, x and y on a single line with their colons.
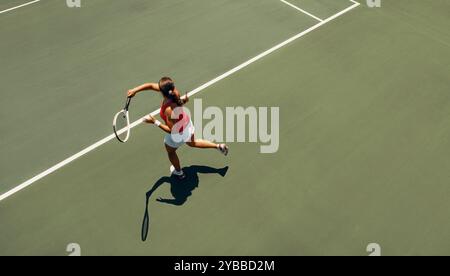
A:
x: 224, y: 149
x: 179, y: 174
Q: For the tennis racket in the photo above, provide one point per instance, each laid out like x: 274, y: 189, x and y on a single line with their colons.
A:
x: 121, y: 123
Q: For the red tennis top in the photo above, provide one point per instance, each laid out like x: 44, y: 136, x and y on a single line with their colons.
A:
x: 181, y: 122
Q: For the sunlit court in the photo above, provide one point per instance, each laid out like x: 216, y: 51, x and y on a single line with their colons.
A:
x: 224, y: 128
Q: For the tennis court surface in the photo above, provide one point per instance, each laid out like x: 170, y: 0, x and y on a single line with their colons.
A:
x: 364, y: 152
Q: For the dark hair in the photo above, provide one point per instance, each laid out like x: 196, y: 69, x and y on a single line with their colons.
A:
x: 167, y: 87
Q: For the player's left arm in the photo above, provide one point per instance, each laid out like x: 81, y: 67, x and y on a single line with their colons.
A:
x: 151, y: 120
x: 165, y: 127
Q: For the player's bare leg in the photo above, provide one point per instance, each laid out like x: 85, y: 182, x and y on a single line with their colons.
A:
x: 204, y: 144
x: 173, y: 157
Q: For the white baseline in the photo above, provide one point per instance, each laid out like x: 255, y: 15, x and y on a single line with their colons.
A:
x: 20, y: 6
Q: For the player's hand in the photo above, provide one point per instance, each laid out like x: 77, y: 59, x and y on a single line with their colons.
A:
x: 150, y: 119
x: 185, y: 98
x: 131, y: 93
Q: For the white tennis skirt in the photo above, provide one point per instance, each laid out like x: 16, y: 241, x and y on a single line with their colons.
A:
x: 176, y: 140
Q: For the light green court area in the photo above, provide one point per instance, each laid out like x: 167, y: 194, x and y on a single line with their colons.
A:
x: 67, y: 70
x: 364, y: 128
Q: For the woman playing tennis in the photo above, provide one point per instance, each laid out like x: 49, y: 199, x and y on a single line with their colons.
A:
x: 177, y: 124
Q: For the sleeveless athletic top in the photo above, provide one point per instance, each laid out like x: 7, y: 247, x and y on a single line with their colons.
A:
x: 183, y: 119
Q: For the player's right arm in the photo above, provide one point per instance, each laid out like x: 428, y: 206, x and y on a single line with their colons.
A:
x: 147, y: 86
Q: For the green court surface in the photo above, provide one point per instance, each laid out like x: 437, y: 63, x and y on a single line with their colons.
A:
x: 364, y: 151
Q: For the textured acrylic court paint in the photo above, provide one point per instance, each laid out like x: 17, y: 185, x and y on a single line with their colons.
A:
x: 237, y: 124
x: 197, y: 90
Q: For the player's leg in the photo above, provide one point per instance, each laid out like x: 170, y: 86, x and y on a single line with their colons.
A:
x: 171, y: 148
x: 173, y: 157
x: 204, y: 144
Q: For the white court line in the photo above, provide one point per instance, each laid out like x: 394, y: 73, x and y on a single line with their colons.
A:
x: 20, y: 6
x: 302, y: 10
x: 193, y: 92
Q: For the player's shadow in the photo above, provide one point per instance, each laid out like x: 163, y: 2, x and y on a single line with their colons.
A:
x: 181, y: 190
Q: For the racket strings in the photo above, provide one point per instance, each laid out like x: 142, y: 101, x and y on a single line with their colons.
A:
x: 121, y: 123
x: 121, y: 126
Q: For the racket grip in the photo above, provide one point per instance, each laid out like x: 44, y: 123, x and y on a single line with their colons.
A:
x: 127, y: 104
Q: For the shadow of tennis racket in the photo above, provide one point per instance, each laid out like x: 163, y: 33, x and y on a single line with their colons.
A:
x: 181, y: 190
x: 145, y: 222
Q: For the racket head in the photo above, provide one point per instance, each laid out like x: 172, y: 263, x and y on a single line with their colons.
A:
x: 121, y: 126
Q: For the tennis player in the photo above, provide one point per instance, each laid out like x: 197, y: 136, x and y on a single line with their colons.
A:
x: 177, y: 124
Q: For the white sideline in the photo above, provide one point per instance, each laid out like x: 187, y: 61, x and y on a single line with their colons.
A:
x: 20, y: 6
x: 193, y: 92
x: 302, y: 10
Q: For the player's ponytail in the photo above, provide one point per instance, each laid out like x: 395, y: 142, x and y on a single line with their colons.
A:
x: 167, y: 87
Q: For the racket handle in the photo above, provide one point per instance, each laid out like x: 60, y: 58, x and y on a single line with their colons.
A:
x: 127, y: 104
